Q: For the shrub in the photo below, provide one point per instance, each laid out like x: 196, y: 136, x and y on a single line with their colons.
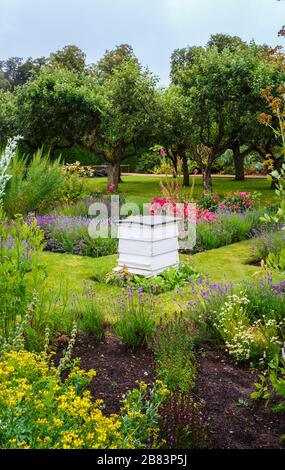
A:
x: 270, y: 247
x: 248, y: 317
x: 259, y: 341
x: 273, y: 380
x: 40, y: 411
x: 266, y: 299
x: 91, y: 314
x: 140, y: 415
x: 173, y: 347
x: 70, y: 235
x: 134, y: 323
x: 181, y: 425
x: 228, y: 229
x: 21, y: 246
x: 166, y: 281
x: 33, y: 186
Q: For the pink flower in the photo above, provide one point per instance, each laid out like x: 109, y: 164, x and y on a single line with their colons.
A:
x: 162, y: 152
x: 111, y: 187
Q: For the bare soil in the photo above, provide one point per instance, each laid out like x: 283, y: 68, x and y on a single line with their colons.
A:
x: 234, y: 421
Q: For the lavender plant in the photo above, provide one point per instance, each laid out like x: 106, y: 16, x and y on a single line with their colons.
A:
x: 70, y: 235
x: 134, y: 314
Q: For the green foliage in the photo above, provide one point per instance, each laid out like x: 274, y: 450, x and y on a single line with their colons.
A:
x: 140, y: 415
x: 274, y: 379
x: 129, y: 95
x: 165, y: 281
x: 91, y: 314
x: 40, y: 411
x: 57, y: 108
x: 226, y: 230
x: 148, y: 162
x: 33, y: 186
x: 7, y: 116
x: 174, y: 350
x: 135, y: 321
x: 279, y: 216
x: 114, y: 59
x: 276, y: 260
x: 70, y: 58
x: 21, y: 246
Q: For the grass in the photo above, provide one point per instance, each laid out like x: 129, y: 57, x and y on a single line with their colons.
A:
x: 141, y: 189
x: 67, y: 273
x: 71, y: 271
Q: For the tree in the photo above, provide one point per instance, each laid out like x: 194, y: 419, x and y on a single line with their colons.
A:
x: 226, y: 41
x: 4, y: 83
x: 181, y: 59
x: 114, y: 59
x: 129, y: 121
x: 58, y: 109
x: 223, y: 96
x: 16, y: 72
x: 70, y: 57
x: 7, y: 116
x: 173, y: 130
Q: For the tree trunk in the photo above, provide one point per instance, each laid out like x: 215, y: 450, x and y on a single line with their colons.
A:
x: 120, y: 175
x: 207, y: 180
x: 113, y: 174
x: 239, y: 163
x: 175, y: 166
x: 185, y: 169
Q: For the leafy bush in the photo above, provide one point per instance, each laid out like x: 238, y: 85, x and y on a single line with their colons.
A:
x: 92, y: 318
x: 148, y: 162
x: 174, y: 351
x: 269, y: 246
x: 70, y: 235
x: 140, y: 416
x: 248, y: 317
x: 274, y: 380
x: 21, y: 246
x: 40, y: 411
x: 259, y: 341
x: 164, y: 282
x: 228, y: 229
x: 33, y: 186
x: 181, y: 425
x: 135, y: 322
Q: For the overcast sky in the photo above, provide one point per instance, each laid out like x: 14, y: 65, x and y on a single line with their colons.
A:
x: 153, y: 27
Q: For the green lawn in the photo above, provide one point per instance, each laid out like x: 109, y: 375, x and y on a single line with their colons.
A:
x: 66, y: 273
x: 70, y: 272
x: 141, y: 189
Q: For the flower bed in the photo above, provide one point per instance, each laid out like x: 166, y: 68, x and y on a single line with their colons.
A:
x: 222, y: 222
x: 70, y: 235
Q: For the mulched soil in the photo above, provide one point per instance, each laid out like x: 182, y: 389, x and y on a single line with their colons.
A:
x: 117, y: 368
x: 235, y: 421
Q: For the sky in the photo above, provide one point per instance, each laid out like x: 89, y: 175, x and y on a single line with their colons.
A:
x: 154, y: 28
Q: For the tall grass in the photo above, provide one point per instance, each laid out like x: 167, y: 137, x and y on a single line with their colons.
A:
x: 33, y: 185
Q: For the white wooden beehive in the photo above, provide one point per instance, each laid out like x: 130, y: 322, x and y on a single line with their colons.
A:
x: 148, y: 244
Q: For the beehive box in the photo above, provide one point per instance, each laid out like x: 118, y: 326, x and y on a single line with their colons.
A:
x: 148, y: 244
